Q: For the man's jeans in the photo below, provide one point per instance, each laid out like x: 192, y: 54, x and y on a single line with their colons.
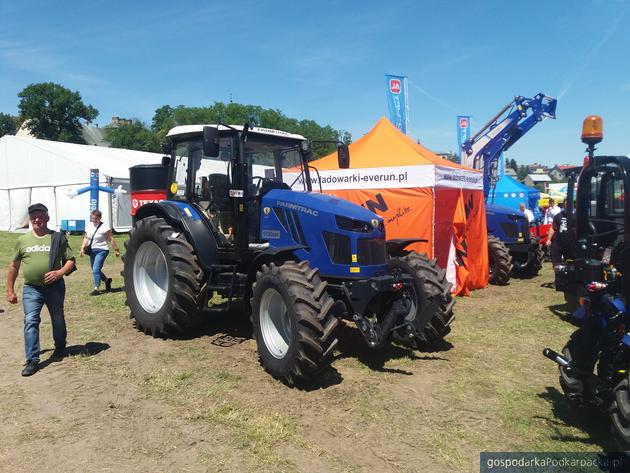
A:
x: 33, y: 299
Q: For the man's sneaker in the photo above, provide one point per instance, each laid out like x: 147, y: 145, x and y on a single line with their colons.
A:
x: 94, y: 292
x: 30, y: 368
x: 108, y: 284
x: 58, y: 354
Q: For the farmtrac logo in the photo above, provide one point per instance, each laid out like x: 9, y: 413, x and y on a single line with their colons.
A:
x: 37, y: 249
x: 394, y: 86
x: 299, y: 208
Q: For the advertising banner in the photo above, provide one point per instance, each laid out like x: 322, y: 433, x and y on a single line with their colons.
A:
x: 398, y: 101
x: 463, y: 133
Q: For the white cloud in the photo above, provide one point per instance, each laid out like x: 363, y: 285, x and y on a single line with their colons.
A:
x: 44, y: 61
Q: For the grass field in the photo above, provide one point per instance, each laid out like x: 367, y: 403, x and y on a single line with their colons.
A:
x: 203, y: 403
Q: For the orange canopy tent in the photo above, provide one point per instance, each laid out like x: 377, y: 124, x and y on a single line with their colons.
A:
x: 419, y: 195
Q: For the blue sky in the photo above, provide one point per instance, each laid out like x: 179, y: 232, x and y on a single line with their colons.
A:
x: 326, y: 61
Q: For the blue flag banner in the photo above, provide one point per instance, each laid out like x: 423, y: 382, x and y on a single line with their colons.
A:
x: 463, y: 132
x: 398, y: 101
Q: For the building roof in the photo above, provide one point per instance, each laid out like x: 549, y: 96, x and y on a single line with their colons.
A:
x: 539, y: 177
x: 564, y: 167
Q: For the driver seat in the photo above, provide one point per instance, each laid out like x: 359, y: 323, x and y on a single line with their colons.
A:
x: 270, y: 185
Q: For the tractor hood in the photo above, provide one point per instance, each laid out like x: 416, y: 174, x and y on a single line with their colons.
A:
x: 342, y: 239
x: 492, y: 209
x: 314, y: 201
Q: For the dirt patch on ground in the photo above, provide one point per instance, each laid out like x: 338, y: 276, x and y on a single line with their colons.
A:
x: 123, y: 401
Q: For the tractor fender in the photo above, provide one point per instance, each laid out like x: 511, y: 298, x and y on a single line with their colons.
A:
x: 197, y: 232
x: 270, y: 255
x: 396, y: 246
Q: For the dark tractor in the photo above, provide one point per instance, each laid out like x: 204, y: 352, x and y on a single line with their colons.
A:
x: 595, y: 363
x: 233, y: 229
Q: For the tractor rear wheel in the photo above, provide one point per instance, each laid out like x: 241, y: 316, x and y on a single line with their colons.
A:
x: 431, y: 310
x: 500, y: 261
x: 293, y: 321
x: 162, y: 278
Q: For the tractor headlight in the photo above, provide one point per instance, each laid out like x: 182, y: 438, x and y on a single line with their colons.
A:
x: 353, y: 225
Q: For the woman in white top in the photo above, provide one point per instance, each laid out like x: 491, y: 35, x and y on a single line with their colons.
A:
x: 96, y: 243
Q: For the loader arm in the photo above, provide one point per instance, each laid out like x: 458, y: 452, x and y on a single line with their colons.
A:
x: 482, y: 151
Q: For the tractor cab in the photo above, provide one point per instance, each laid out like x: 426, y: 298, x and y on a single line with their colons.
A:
x: 225, y: 171
x: 602, y: 230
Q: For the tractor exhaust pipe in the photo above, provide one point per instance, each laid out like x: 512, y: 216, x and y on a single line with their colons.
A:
x: 563, y: 362
x: 557, y: 358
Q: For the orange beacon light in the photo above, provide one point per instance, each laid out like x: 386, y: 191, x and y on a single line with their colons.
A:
x: 592, y: 130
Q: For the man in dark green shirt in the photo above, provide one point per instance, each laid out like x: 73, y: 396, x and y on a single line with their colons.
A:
x: 43, y: 284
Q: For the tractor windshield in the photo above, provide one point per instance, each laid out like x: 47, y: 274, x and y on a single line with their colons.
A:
x: 274, y: 160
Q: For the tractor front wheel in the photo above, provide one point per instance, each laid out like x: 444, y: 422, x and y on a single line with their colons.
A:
x: 534, y: 264
x: 500, y: 261
x: 431, y: 311
x: 293, y: 322
x: 620, y: 413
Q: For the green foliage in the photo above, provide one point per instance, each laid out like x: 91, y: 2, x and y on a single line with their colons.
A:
x: 511, y: 163
x: 54, y: 112
x: 522, y: 172
x: 8, y: 125
x: 161, y: 115
x: 135, y: 136
x: 167, y: 117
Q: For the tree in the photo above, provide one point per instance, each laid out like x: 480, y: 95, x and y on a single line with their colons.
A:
x: 8, y: 125
x: 53, y: 112
x: 162, y: 114
x: 522, y: 172
x: 167, y: 117
x: 134, y: 136
x: 512, y: 164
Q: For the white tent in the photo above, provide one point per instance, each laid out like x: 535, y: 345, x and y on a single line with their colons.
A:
x: 33, y: 170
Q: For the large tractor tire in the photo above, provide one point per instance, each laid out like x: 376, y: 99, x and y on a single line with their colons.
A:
x: 293, y: 321
x: 581, y: 351
x: 620, y: 413
x: 432, y: 304
x: 534, y: 265
x: 572, y: 386
x: 162, y: 278
x: 500, y: 262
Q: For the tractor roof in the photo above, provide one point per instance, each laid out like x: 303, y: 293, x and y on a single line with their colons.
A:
x: 198, y: 129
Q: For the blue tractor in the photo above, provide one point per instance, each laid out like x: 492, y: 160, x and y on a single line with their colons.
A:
x: 233, y: 229
x: 511, y: 249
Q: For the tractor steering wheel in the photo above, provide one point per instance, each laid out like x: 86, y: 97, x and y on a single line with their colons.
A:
x: 592, y: 229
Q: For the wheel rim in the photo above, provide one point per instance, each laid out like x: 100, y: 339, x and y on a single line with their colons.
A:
x: 275, y: 323
x: 150, y: 277
x: 413, y: 309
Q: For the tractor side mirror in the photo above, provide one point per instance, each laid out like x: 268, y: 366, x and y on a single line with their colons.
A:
x: 166, y: 161
x: 343, y: 156
x: 211, y: 141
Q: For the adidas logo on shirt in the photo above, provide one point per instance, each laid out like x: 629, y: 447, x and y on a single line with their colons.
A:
x: 37, y: 249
